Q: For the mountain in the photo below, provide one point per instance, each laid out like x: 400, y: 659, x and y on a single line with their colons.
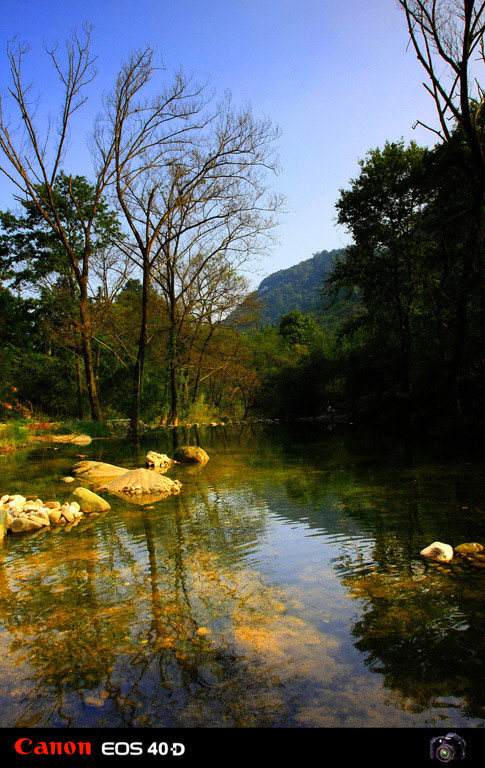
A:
x: 297, y: 287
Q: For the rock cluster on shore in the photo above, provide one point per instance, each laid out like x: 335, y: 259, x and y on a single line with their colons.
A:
x: 121, y: 427
x: 24, y: 515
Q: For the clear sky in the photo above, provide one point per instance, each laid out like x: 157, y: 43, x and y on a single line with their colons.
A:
x: 335, y: 76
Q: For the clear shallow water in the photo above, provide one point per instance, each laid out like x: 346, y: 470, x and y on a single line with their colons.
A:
x: 298, y: 549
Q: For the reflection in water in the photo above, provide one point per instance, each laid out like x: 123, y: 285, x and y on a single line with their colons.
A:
x: 281, y: 587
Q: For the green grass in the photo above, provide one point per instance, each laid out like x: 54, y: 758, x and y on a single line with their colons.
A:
x: 91, y: 428
x: 13, y: 435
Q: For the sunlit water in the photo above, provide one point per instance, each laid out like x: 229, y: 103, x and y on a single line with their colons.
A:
x: 282, y: 587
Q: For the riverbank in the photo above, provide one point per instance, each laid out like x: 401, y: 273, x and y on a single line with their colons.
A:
x: 19, y: 433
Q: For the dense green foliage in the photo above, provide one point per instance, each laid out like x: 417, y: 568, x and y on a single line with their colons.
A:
x: 417, y: 262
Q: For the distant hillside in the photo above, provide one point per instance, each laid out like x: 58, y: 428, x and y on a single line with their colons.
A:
x: 295, y: 288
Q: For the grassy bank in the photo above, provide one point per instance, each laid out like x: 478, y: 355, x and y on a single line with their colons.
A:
x: 13, y: 435
x: 17, y: 433
x: 74, y: 426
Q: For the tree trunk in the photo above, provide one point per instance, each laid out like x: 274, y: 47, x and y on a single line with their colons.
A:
x: 404, y: 332
x: 174, y: 394
x: 199, y: 366
x: 137, y: 376
x: 79, y: 381
x: 473, y: 259
x: 87, y: 354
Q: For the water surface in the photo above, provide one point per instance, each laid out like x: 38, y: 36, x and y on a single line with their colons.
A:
x: 282, y: 587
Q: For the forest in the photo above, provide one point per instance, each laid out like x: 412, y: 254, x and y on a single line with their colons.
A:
x: 124, y: 291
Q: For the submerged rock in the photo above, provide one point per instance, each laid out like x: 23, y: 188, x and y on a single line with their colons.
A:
x: 97, y: 469
x: 438, y: 552
x: 141, y: 482
x: 191, y: 454
x: 469, y: 548
x: 477, y: 561
x: 88, y: 501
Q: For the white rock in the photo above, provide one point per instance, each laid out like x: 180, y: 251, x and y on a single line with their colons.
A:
x: 154, y: 459
x: 437, y: 551
x: 16, y: 502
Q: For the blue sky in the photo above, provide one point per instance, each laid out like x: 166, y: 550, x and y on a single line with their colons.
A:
x: 333, y: 74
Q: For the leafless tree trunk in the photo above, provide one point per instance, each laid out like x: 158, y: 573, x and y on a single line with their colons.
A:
x: 223, y: 218
x: 189, y: 181
x: 32, y: 160
x: 138, y: 136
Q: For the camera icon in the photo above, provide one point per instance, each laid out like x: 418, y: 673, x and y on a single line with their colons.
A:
x: 446, y: 748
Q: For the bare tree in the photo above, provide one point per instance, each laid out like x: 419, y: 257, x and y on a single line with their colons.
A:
x: 448, y: 38
x: 223, y: 218
x: 189, y: 181
x: 138, y: 135
x: 32, y: 158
